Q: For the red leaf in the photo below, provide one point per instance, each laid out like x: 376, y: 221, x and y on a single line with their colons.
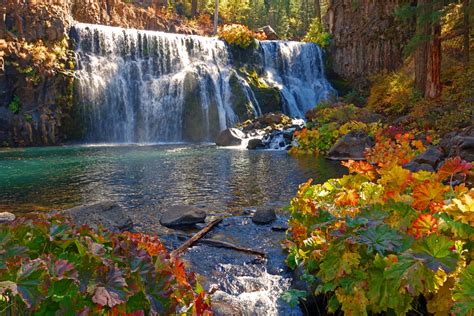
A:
x: 452, y: 166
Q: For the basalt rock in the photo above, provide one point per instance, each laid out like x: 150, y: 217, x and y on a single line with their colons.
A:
x: 182, y: 215
x: 108, y: 214
x: 459, y: 144
x: 230, y: 137
x: 351, y: 146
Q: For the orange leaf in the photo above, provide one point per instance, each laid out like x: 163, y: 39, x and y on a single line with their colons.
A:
x: 427, y: 193
x: 347, y: 198
x: 424, y: 225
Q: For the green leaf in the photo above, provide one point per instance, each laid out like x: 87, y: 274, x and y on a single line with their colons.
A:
x: 32, y: 282
x: 435, y: 251
x: 381, y: 239
x: 293, y: 297
x: 463, y: 293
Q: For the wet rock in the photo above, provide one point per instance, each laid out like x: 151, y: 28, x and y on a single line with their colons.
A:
x: 415, y: 167
x: 182, y: 215
x: 230, y: 137
x: 6, y: 217
x: 459, y: 144
x: 255, y: 143
x: 351, y: 146
x: 269, y: 32
x: 279, y: 228
x: 108, y: 214
x: 264, y: 216
x: 432, y: 156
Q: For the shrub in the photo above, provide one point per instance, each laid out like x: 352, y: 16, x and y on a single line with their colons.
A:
x: 376, y: 240
x: 392, y: 94
x: 318, y: 138
x: 49, y: 266
x: 238, y: 35
x: 317, y: 34
x: 15, y: 105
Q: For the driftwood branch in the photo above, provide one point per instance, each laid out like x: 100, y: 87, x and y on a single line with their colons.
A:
x: 188, y: 243
x: 224, y: 244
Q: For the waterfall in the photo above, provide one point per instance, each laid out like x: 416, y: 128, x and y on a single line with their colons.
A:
x: 297, y: 69
x: 144, y: 86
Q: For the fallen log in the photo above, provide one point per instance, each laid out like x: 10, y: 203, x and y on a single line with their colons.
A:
x: 188, y: 243
x: 225, y: 244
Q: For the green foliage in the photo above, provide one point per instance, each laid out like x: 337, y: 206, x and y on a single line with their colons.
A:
x: 317, y: 34
x: 15, y: 105
x: 48, y: 266
x: 376, y: 240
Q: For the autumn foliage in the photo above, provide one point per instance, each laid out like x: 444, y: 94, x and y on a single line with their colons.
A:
x: 48, y: 266
x: 379, y: 238
x: 239, y: 35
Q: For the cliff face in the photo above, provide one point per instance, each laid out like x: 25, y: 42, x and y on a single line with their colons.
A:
x: 36, y: 64
x: 365, y: 38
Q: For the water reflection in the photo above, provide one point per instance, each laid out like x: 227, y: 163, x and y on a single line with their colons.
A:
x: 153, y: 176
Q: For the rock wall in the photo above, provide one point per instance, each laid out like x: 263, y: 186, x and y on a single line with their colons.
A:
x: 365, y: 39
x: 36, y: 64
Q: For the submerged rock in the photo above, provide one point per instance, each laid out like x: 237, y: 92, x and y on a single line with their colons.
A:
x: 351, y: 146
x: 264, y: 216
x: 6, y: 217
x: 182, y: 215
x: 255, y: 143
x: 230, y: 137
x: 108, y: 214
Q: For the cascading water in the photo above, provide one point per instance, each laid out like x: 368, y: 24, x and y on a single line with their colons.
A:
x: 142, y: 86
x: 297, y: 69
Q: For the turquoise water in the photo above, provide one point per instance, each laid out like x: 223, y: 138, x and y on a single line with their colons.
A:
x: 152, y: 176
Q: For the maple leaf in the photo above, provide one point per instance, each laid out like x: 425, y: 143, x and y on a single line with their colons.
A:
x: 427, y: 193
x: 112, y: 292
x: 347, y: 198
x: 453, y: 166
x: 360, y: 167
x: 394, y: 180
x: 424, y: 225
x: 462, y: 209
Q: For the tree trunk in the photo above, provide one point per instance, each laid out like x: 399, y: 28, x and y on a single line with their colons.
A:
x: 317, y: 9
x: 194, y: 7
x: 466, y: 32
x: 216, y: 16
x: 433, y: 66
x: 423, y: 30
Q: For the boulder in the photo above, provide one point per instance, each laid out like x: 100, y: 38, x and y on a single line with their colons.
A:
x: 432, y: 156
x: 182, y: 215
x: 6, y: 217
x: 351, y: 146
x: 414, y: 166
x: 264, y: 216
x: 269, y: 32
x: 459, y: 144
x: 109, y: 214
x: 230, y: 137
x: 255, y: 143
